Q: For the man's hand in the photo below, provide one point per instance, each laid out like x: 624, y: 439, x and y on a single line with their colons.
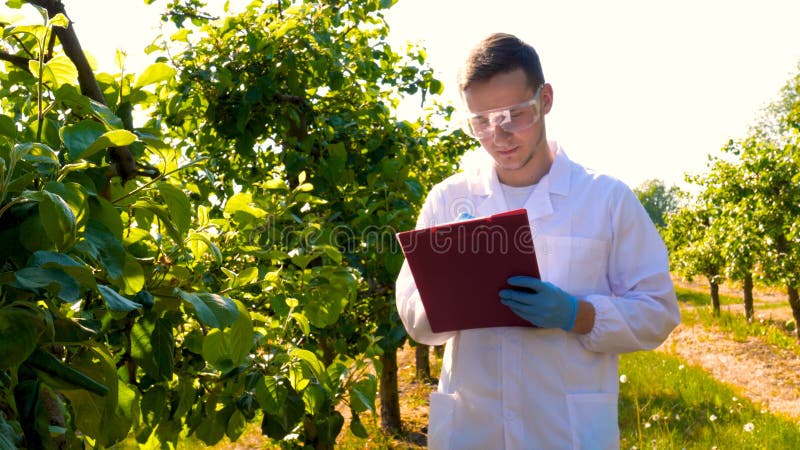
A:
x: 540, y: 303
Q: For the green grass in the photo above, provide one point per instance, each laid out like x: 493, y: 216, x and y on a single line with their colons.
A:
x: 666, y: 404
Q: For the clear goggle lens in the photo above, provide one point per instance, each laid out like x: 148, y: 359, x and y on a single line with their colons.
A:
x: 510, y: 119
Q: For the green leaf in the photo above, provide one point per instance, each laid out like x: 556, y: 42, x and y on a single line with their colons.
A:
x: 101, y: 245
x: 153, y: 348
x: 312, y: 363
x: 213, y: 310
x: 107, y: 215
x: 77, y: 138
x: 246, y: 277
x: 132, y: 279
x: 324, y: 306
x: 107, y: 419
x: 357, y: 427
x: 363, y: 393
x: 73, y: 331
x: 302, y: 322
x: 163, y: 214
x: 114, y: 138
x: 435, y: 86
x: 54, y: 281
x: 34, y: 236
x: 59, y: 20
x: 7, y: 127
x: 228, y: 348
x: 314, y: 397
x: 200, y: 244
x: 153, y: 405
x: 271, y: 394
x: 236, y: 425
x: 241, y: 209
x: 58, y: 71
x: 18, y: 336
x: 34, y: 153
x: 104, y: 114
x: 116, y: 302
x: 274, y: 184
x: 178, y: 205
x: 58, y: 220
x: 291, y: 412
x: 155, y: 73
x: 76, y: 197
x: 77, y: 270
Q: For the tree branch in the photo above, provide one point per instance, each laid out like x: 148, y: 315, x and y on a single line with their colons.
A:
x: 122, y: 162
x: 22, y: 45
x: 19, y: 61
x: 72, y: 47
x: 50, y: 45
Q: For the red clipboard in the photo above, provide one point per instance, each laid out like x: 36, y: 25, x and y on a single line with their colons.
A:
x: 460, y: 267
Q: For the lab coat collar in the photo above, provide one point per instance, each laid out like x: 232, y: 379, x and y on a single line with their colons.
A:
x: 485, y: 185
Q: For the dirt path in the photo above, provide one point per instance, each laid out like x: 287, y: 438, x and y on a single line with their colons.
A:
x: 767, y: 375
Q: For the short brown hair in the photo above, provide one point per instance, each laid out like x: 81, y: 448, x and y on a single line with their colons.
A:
x: 500, y: 53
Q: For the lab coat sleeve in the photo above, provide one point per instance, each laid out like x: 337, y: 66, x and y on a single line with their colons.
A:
x: 643, y: 309
x: 409, y: 305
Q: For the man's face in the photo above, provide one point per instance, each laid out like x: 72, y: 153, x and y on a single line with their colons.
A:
x: 494, y: 105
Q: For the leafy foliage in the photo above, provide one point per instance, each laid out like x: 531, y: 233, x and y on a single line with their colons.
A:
x: 748, y: 208
x: 658, y: 200
x: 255, y: 273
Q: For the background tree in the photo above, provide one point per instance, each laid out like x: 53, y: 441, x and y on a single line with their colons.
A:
x: 693, y: 245
x: 658, y: 200
x: 310, y: 92
x: 775, y: 172
x: 729, y: 187
x: 771, y: 159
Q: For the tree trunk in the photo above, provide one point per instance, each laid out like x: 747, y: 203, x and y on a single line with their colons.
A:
x: 390, y: 401
x: 423, y: 363
x: 748, y: 296
x: 715, y: 296
x: 794, y: 301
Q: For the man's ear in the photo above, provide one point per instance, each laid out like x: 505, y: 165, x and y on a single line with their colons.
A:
x: 547, y: 98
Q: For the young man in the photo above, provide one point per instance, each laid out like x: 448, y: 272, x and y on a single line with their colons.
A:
x: 605, y: 287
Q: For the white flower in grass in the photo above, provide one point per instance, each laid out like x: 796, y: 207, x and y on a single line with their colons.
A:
x: 734, y: 398
x: 749, y: 427
x: 655, y: 417
x: 713, y: 418
x: 681, y: 367
x: 623, y: 378
x: 647, y: 424
x: 677, y: 417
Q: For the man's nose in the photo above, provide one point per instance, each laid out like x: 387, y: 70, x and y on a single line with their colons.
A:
x: 499, y: 135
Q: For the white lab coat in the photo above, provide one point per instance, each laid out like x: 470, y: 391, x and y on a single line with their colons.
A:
x: 525, y: 388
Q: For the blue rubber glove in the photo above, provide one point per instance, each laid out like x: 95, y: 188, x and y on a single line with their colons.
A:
x: 540, y: 303
x: 464, y: 216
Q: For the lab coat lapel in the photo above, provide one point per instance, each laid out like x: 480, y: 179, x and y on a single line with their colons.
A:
x: 539, y: 204
x: 555, y: 182
x: 489, y: 198
x: 488, y: 195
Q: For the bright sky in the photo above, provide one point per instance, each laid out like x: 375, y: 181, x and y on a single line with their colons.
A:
x: 642, y: 89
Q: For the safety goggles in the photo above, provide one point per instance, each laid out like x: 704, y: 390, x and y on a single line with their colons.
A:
x: 510, y: 119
